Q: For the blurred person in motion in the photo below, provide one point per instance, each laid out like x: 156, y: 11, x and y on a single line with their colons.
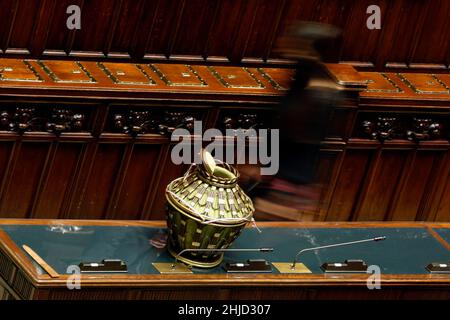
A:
x: 305, y: 112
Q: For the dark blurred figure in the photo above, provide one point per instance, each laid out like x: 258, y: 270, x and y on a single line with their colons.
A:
x: 304, y: 117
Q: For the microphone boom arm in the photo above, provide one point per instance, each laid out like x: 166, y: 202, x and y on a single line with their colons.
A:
x: 334, y: 245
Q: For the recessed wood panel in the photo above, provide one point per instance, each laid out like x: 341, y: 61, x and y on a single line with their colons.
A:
x: 376, y: 200
x: 5, y: 155
x: 443, y: 212
x: 164, y: 26
x: 327, y: 163
x: 340, y: 124
x: 24, y: 17
x: 98, y: 20
x: 58, y: 181
x: 126, y: 28
x: 96, y: 194
x: 171, y: 171
x: 193, y: 29
x: 264, y: 18
x: 26, y: 173
x: 417, y: 186
x: 349, y: 184
x: 59, y: 37
x: 430, y: 39
x: 362, y: 45
x: 404, y: 35
x: 224, y: 30
x: 9, y: 7
x: 135, y: 188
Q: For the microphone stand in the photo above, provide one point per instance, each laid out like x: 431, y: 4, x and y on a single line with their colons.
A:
x: 334, y: 245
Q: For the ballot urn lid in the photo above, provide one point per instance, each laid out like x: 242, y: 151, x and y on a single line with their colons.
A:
x: 209, y: 193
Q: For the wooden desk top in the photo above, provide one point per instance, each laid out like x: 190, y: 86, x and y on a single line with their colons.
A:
x: 56, y: 78
x: 407, y: 244
x: 107, y: 79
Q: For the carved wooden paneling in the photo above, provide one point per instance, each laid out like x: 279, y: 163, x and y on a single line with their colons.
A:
x: 326, y: 171
x: 121, y: 40
x: 135, y: 187
x: 407, y: 85
x: 242, y: 119
x: 353, y: 47
x: 21, y: 185
x: 106, y: 77
x: 222, y: 30
x: 100, y: 174
x: 380, y: 185
x: 99, y: 21
x: 29, y: 119
x: 6, y: 163
x: 417, y: 186
x: 73, y: 147
x: 151, y: 120
x: 58, y: 181
x: 349, y: 183
x: 22, y: 22
x: 341, y: 121
x: 432, y: 46
x: 408, y: 126
x: 58, y: 40
x: 444, y: 204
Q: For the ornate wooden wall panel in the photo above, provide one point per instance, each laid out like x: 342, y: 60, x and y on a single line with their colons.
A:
x: 21, y: 186
x: 97, y: 183
x: 444, y: 208
x: 326, y: 174
x: 380, y: 185
x: 350, y: 182
x: 91, y: 140
x: 57, y: 182
x: 417, y: 186
x: 413, y: 31
x: 140, y: 165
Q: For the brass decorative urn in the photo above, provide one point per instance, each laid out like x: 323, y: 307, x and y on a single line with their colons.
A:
x: 207, y: 209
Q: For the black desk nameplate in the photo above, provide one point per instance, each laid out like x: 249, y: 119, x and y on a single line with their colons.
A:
x: 349, y: 266
x: 252, y: 266
x: 435, y: 267
x: 106, y: 266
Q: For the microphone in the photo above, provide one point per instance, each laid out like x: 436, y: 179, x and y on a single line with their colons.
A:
x: 220, y: 250
x: 335, y: 245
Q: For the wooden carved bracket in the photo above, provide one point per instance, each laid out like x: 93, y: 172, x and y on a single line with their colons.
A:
x: 136, y: 122
x: 64, y: 120
x: 242, y: 121
x: 25, y: 119
x: 424, y: 129
x: 141, y: 122
x: 174, y: 120
x: 382, y: 129
x: 387, y: 128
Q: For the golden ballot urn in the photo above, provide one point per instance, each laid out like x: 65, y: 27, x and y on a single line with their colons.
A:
x: 206, y: 210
